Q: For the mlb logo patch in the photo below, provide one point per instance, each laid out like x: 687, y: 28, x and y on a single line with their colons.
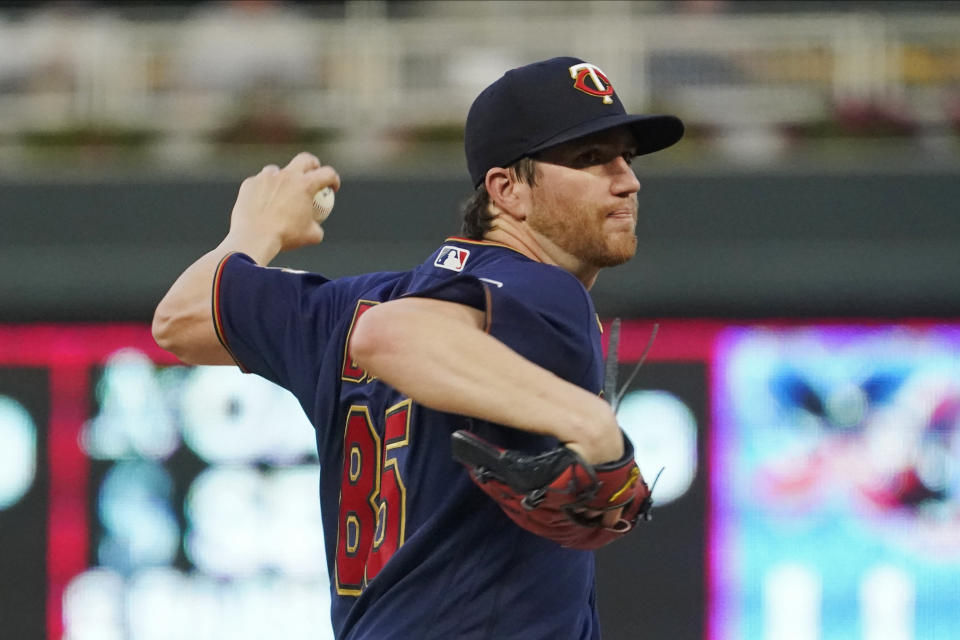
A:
x: 453, y: 258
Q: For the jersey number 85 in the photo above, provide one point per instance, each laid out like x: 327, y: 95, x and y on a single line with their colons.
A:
x: 373, y: 510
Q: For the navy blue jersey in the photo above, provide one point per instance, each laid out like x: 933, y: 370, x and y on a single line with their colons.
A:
x: 414, y: 549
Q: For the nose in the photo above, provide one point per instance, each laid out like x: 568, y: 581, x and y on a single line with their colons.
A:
x: 623, y: 179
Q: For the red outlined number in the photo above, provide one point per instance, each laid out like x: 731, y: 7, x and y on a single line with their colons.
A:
x: 392, y: 510
x: 373, y: 509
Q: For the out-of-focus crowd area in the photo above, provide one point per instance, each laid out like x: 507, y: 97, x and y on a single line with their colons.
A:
x: 385, y: 86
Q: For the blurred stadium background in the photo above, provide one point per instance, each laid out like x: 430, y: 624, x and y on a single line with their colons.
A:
x: 799, y: 250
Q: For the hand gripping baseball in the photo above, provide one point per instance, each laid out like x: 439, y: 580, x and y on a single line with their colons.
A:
x: 276, y: 207
x: 557, y: 494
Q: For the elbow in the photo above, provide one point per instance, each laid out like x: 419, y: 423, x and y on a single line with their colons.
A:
x: 162, y: 331
x: 170, y: 334
x: 375, y: 335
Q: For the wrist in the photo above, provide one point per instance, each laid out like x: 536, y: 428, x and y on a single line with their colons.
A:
x: 599, y: 439
x: 263, y: 248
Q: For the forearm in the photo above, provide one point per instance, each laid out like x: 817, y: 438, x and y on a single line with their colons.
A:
x: 413, y: 351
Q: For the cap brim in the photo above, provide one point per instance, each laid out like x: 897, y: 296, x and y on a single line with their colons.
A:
x: 653, y: 132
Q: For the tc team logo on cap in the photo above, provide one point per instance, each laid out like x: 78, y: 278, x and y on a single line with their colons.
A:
x: 453, y: 258
x: 602, y: 87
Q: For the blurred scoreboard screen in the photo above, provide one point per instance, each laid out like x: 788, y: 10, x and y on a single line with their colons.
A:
x: 836, y: 454
x: 808, y: 488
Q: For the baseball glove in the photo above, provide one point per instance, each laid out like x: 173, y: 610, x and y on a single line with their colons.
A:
x: 557, y: 494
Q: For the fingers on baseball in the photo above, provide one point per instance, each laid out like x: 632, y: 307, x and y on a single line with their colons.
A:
x: 320, y: 177
x: 303, y: 162
x: 270, y: 169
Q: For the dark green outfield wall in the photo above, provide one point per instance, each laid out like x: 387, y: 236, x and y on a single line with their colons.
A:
x: 728, y: 245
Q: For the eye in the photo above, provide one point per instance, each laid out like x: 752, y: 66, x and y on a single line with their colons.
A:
x: 589, y: 158
x: 629, y: 156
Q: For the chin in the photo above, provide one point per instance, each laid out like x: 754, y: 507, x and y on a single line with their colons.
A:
x: 604, y: 252
x: 613, y: 261
x: 613, y: 258
x: 621, y: 252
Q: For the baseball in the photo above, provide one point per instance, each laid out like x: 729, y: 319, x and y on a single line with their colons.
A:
x: 323, y: 204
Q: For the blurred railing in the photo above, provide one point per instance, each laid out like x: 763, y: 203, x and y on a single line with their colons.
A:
x: 366, y: 83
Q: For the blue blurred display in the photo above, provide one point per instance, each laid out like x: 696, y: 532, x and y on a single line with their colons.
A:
x: 836, y: 484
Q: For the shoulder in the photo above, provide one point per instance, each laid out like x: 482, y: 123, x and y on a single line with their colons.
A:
x: 543, y: 287
x: 506, y: 268
x: 546, y: 290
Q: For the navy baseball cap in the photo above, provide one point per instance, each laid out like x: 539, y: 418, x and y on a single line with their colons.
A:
x: 540, y: 105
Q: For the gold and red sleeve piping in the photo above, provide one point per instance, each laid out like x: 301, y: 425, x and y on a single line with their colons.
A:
x: 217, y: 312
x: 488, y: 309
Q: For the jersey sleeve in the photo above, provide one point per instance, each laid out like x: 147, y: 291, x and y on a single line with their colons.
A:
x: 274, y: 322
x: 548, y: 320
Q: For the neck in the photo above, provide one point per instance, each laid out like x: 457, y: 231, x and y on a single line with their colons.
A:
x: 537, y: 247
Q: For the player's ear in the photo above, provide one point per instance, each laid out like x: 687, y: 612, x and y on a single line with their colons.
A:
x: 507, y: 193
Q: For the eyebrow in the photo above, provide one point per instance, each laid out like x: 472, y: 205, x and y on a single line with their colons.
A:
x: 568, y: 151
